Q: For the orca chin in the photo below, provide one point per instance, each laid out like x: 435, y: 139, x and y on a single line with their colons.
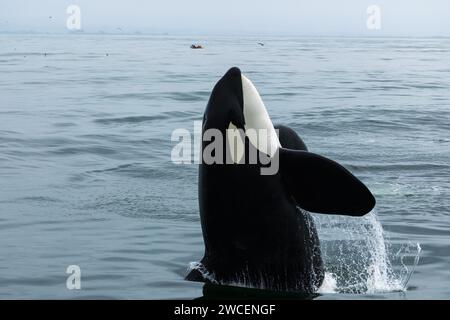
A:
x: 256, y: 228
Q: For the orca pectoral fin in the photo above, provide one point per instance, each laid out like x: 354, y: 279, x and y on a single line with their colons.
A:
x: 321, y: 185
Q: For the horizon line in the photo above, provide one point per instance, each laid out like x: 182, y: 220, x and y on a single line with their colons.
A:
x: 220, y: 34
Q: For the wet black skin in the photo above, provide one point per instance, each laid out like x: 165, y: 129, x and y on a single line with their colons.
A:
x: 254, y: 232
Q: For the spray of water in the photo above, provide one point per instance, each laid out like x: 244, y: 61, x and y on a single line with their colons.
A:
x: 358, y: 259
x: 202, y: 269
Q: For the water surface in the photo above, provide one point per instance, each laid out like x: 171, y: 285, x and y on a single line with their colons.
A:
x: 86, y: 176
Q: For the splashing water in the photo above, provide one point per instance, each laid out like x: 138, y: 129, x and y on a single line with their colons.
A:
x: 202, y: 269
x: 329, y: 284
x: 358, y: 259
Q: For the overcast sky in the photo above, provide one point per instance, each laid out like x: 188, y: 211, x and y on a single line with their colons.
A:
x: 257, y: 17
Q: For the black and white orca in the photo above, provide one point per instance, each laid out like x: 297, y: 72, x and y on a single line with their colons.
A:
x: 256, y: 228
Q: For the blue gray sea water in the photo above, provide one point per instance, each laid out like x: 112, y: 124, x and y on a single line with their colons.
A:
x: 86, y: 177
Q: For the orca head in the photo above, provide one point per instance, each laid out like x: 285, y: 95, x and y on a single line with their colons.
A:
x: 226, y: 103
x: 236, y: 104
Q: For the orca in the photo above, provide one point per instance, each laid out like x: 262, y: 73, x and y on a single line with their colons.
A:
x: 257, y: 229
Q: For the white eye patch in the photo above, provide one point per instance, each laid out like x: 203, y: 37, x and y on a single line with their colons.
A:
x: 235, y: 142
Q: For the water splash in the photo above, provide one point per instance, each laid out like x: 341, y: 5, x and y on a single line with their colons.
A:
x: 329, y: 284
x: 202, y: 269
x: 405, y: 251
x: 357, y: 257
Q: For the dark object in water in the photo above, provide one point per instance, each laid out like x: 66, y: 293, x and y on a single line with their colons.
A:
x: 255, y: 234
x: 196, y: 46
x: 261, y: 44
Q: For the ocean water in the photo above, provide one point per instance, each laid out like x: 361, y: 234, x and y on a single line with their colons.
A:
x: 86, y: 177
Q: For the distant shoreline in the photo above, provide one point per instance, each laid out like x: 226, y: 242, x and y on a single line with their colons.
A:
x: 188, y: 35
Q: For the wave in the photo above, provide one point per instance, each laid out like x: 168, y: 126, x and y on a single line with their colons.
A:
x: 132, y: 119
x: 414, y: 167
x: 177, y: 115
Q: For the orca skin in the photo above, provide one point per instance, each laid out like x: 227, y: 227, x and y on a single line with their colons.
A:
x: 255, y: 231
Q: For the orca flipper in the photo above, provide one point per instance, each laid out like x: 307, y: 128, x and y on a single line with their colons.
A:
x: 321, y: 185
